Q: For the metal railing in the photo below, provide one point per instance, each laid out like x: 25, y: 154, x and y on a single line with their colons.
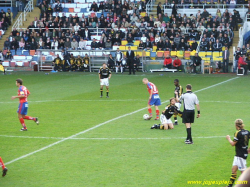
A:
x: 28, y: 8
x: 22, y: 17
x: 198, y: 46
x: 8, y: 3
x: 19, y: 22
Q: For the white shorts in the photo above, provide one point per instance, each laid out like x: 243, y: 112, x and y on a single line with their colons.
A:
x: 178, y: 105
x: 240, y: 162
x: 104, y: 82
x: 164, y: 120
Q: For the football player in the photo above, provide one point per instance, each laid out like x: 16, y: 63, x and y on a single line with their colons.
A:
x: 104, y: 76
x: 165, y: 117
x: 240, y: 141
x: 3, y: 167
x: 179, y: 90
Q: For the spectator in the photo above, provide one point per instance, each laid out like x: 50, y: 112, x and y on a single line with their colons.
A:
x: 196, y: 62
x: 141, y: 45
x: 148, y: 45
x: 47, y: 44
x: 159, y: 11
x: 54, y: 44
x: 7, y: 44
x: 33, y: 44
x: 177, y: 63
x: 94, y: 44
x: 41, y: 44
x: 58, y: 7
x: 74, y: 44
x: 94, y: 7
x: 108, y: 44
x: 217, y: 46
x: 160, y: 45
x: 111, y: 62
x: 167, y: 62
x: 8, y: 54
x: 21, y: 44
x: 14, y: 44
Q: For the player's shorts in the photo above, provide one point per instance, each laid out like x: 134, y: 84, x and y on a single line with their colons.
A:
x: 164, y: 120
x: 188, y: 116
x: 104, y: 82
x: 178, y: 105
x: 155, y: 100
x: 240, y: 162
x: 118, y: 63
x: 22, y: 108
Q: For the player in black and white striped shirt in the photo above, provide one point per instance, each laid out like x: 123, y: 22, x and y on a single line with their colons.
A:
x: 189, y: 101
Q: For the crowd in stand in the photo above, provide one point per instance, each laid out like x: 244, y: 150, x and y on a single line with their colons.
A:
x: 5, y: 19
x: 124, y: 22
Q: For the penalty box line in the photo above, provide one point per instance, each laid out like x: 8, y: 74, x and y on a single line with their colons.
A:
x: 101, y: 124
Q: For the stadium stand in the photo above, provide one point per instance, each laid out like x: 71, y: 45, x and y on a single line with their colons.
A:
x: 98, y: 29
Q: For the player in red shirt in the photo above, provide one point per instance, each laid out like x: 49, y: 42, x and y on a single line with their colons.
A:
x: 22, y: 111
x: 154, y: 98
x: 3, y: 167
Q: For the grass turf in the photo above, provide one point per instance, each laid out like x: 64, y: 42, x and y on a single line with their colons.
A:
x: 124, y: 151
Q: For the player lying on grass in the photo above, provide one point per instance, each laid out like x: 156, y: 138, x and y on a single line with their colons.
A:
x: 3, y: 167
x: 166, y: 122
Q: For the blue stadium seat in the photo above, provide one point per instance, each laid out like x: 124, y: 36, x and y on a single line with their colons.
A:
x: 26, y: 53
x: 152, y: 54
x: 19, y: 52
x: 13, y: 52
x: 65, y: 10
x: 112, y: 53
x: 105, y: 14
x: 83, y: 10
x: 137, y: 38
x: 98, y: 14
x: 35, y: 58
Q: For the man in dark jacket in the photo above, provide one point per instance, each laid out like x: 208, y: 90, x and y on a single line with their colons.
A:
x: 130, y: 60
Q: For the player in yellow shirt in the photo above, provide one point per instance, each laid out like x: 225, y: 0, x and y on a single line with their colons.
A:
x: 2, y: 68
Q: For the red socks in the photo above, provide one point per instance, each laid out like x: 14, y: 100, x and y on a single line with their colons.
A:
x: 157, y: 113
x: 2, y: 164
x: 29, y: 118
x: 150, y: 111
x: 22, y: 123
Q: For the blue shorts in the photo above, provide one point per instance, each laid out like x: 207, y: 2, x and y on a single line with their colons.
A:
x: 23, y: 108
x: 155, y: 100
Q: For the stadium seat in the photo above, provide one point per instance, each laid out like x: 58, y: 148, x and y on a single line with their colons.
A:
x: 143, y: 14
x: 19, y: 52
x: 206, y: 66
x: 187, y: 55
x: 77, y: 10
x: 35, y: 58
x: 160, y: 54
x: 166, y: 53
x: 202, y: 54
x: 124, y: 42
x: 137, y: 38
x: 209, y: 54
x: 32, y: 52
x: 173, y: 53
x: 134, y: 48
x: 146, y: 53
x: 26, y: 64
x: 122, y: 47
x: 153, y: 54
x: 71, y: 10
x: 139, y: 53
x: 65, y: 10
x: 12, y: 64
x: 240, y: 71
x: 154, y: 48
x: 215, y: 58
x: 180, y: 54
x: 98, y: 14
x: 112, y: 53
x: 137, y: 42
x: 13, y: 52
x: 83, y: 10
x: 26, y: 52
x: 192, y: 53
x: 92, y: 15
x: 5, y: 51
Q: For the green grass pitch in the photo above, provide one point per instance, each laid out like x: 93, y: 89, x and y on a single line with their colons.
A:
x: 84, y: 140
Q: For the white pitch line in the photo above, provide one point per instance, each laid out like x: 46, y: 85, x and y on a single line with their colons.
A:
x: 60, y: 138
x: 99, y: 125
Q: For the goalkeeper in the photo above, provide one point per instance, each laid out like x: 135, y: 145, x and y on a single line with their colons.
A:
x: 165, y: 117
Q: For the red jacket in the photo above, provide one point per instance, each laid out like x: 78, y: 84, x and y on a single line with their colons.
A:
x: 177, y: 63
x: 241, y: 62
x: 167, y: 61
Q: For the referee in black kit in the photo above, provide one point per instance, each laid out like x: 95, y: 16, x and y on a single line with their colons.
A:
x: 189, y: 101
